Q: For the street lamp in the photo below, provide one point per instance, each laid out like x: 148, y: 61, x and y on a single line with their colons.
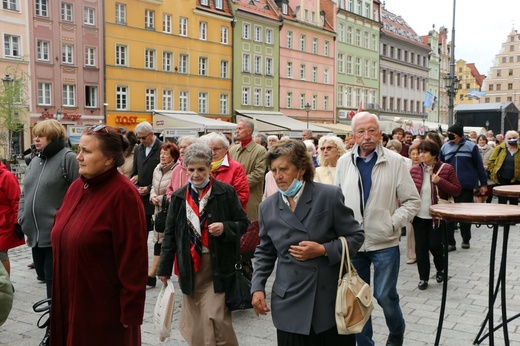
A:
x: 307, y: 109
x: 8, y: 82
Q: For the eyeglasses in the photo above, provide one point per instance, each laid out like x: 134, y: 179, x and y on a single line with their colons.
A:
x: 511, y: 139
x: 143, y: 137
x: 362, y: 133
x: 99, y: 127
x: 327, y: 148
x: 216, y: 149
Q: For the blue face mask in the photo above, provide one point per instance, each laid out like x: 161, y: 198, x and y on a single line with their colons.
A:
x: 293, y: 189
x: 201, y: 186
x: 513, y: 142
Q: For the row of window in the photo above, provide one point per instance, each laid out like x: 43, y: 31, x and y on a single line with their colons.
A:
x: 67, y: 11
x: 43, y: 53
x: 362, y: 7
x: 303, y: 44
x: 303, y: 73
x: 406, y: 81
x: 68, y: 95
x: 348, y: 96
x: 404, y: 55
x: 354, y: 37
x: 257, y: 96
x: 258, y: 64
x: 289, y: 101
x: 258, y: 33
x: 356, y: 66
x: 498, y: 87
x: 396, y: 104
x: 510, y: 72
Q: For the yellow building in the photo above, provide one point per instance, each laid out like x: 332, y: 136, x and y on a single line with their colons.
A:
x: 171, y: 55
x: 469, y: 80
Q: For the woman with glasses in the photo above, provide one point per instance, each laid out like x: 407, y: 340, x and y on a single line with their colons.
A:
x: 330, y: 150
x: 204, y: 219
x: 504, y: 165
x: 100, y: 250
x: 161, y: 178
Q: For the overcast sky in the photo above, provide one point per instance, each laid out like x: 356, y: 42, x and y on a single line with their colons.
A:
x: 481, y: 26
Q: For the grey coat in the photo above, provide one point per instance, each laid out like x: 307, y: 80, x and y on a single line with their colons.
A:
x: 44, y: 188
x: 304, y: 293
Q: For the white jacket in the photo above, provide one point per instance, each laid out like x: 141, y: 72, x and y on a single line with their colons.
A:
x: 393, y: 199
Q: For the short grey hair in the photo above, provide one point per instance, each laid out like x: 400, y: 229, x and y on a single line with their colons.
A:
x: 250, y: 125
x: 263, y: 138
x: 394, y: 143
x: 145, y: 126
x: 360, y: 115
x: 213, y: 137
x: 190, y: 139
x: 275, y: 137
x: 198, y: 153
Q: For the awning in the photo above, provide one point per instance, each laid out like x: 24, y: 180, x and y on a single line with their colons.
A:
x: 163, y: 120
x: 276, y: 122
x: 339, y: 129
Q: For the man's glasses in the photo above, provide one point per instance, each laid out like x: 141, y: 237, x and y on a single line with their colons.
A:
x: 142, y: 138
x: 99, y: 127
x: 327, y: 148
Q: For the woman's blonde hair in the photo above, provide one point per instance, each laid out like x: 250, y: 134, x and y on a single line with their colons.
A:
x: 51, y: 129
x: 337, y: 142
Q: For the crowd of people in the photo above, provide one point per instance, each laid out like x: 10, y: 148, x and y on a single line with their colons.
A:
x: 87, y: 217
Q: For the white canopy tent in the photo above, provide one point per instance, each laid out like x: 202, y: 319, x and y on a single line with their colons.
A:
x: 188, y: 121
x: 276, y: 122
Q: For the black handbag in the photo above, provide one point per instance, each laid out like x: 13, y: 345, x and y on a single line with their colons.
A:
x: 160, y: 217
x: 237, y: 286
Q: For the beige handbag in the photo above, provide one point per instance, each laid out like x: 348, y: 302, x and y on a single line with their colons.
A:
x: 440, y: 200
x: 353, y: 299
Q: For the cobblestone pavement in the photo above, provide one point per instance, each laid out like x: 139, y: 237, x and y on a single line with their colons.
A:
x: 465, y: 311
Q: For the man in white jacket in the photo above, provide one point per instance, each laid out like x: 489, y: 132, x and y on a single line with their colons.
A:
x: 379, y: 189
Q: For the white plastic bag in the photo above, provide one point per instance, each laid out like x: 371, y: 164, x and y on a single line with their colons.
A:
x: 163, y: 313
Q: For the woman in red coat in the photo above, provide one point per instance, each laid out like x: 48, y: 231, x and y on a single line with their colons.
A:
x: 100, y: 250
x: 434, y: 179
x: 225, y: 169
x: 9, y: 199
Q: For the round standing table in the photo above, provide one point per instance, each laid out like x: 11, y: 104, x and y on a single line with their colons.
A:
x: 489, y: 214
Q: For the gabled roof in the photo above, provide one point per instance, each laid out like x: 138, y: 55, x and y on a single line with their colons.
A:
x: 257, y: 7
x: 479, y: 78
x: 325, y: 5
x: 225, y: 11
x: 394, y: 25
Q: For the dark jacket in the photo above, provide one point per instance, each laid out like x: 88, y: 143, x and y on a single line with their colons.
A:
x: 223, y: 206
x: 143, y: 168
x: 447, y: 186
x: 467, y: 163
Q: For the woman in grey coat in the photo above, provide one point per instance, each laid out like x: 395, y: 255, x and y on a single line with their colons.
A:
x: 46, y: 181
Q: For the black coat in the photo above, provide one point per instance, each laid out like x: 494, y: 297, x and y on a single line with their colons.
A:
x: 223, y: 206
x: 143, y: 168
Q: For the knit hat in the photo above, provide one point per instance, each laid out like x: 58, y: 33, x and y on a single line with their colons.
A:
x: 457, y: 129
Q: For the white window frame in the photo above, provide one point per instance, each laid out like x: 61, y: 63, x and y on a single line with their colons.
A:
x: 325, y: 103
x: 224, y: 35
x: 120, y: 13
x: 268, y: 102
x: 167, y: 61
x: 224, y: 104
x: 315, y: 45
x: 257, y: 97
x: 89, y: 16
x: 66, y: 12
x: 122, y: 97
x: 314, y: 103
x: 302, y: 72
x: 289, y: 99
x: 302, y: 42
x: 246, y: 62
x: 91, y: 94
x: 184, y: 61
x: 302, y: 101
x: 326, y: 76
x: 43, y: 49
x: 150, y: 98
x: 326, y: 48
x: 121, y: 55
x: 269, y: 66
x: 12, y: 46
x: 289, y: 40
x: 184, y: 100
x: 68, y: 95
x: 224, y: 69
x: 246, y: 97
x: 341, y: 63
x: 204, y: 2
x: 246, y: 31
x: 203, y: 102
x: 149, y: 59
x: 258, y: 64
x: 67, y: 54
x: 219, y: 5
x: 289, y: 69
x: 349, y: 64
x: 44, y: 94
x: 269, y: 34
x: 167, y: 23
x: 203, y: 31
x: 183, y: 26
x: 315, y: 74
x: 167, y: 99
x: 42, y: 8
x: 203, y: 66
x: 258, y: 30
x: 149, y: 19
x: 90, y: 56
x: 339, y: 96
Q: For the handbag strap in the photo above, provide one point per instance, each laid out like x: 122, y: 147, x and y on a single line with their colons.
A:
x: 436, y: 187
x: 238, y: 256
x: 345, y: 254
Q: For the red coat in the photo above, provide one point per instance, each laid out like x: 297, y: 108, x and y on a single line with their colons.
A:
x: 100, y: 264
x: 234, y: 175
x: 9, y: 199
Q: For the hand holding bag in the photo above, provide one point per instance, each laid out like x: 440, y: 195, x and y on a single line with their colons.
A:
x: 237, y: 286
x: 353, y: 298
x: 163, y: 313
x: 160, y: 217
x: 250, y: 240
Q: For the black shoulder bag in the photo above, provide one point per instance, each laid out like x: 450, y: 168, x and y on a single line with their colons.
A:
x: 160, y: 217
x: 237, y: 286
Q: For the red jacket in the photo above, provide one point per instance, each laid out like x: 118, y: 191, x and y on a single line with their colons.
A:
x: 234, y: 175
x: 9, y: 199
x: 448, y: 185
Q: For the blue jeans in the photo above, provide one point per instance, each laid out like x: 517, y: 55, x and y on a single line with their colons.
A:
x: 386, y: 271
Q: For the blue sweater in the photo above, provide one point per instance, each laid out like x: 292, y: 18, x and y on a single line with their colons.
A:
x: 467, y: 163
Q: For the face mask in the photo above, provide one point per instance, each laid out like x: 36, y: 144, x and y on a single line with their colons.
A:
x: 451, y: 136
x: 513, y: 142
x: 293, y: 189
x: 201, y: 186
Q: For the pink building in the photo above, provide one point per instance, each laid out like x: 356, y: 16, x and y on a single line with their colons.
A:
x: 68, y: 69
x: 307, y: 64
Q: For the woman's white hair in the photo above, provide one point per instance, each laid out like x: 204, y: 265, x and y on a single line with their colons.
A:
x: 213, y: 137
x: 338, y: 142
